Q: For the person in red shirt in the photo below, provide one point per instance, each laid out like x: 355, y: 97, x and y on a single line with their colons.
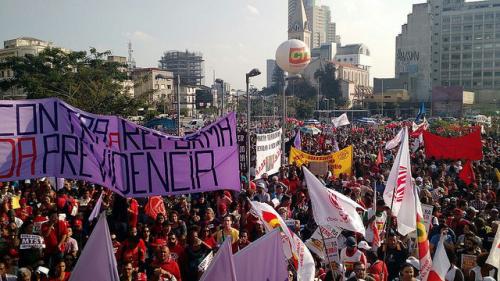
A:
x: 133, y: 212
x: 54, y: 233
x: 25, y: 211
x: 176, y: 249
x: 377, y: 269
x: 60, y: 273
x: 163, y: 266
x: 133, y: 249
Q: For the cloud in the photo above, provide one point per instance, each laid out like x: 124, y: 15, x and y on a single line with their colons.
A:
x: 139, y: 35
x: 253, y: 10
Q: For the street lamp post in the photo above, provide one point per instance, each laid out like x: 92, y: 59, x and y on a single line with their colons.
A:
x: 252, y: 73
x: 291, y: 78
x: 178, y: 105
x: 221, y: 82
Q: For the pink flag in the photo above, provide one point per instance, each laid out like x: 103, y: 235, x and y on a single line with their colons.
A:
x: 441, y: 263
x: 222, y: 266
x: 97, y: 208
x: 271, y: 266
x: 297, y: 142
x: 97, y: 259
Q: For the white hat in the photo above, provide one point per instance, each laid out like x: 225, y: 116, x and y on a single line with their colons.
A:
x: 364, y: 245
x: 413, y: 262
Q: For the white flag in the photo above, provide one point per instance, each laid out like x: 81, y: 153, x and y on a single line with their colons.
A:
x: 305, y: 265
x: 206, y: 262
x: 494, y: 257
x: 97, y: 208
x: 340, y: 121
x: 97, y: 258
x: 395, y: 141
x: 440, y: 264
x: 331, y: 208
x: 399, y: 177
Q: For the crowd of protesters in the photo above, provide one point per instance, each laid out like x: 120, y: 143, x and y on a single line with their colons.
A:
x: 171, y: 246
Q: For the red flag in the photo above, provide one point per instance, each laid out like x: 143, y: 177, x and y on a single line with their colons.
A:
x: 467, y: 173
x: 380, y: 157
x: 154, y: 207
x: 467, y: 147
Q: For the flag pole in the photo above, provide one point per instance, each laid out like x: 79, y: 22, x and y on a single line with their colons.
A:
x: 324, y: 247
x: 389, y: 218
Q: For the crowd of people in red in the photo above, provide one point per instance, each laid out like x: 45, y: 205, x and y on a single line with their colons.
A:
x: 172, y: 245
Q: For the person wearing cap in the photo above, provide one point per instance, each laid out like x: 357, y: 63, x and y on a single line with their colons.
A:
x: 262, y: 195
x: 351, y: 254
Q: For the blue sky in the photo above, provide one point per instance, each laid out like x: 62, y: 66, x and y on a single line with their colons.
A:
x: 233, y: 35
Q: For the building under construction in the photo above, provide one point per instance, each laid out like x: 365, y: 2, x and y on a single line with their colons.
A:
x: 188, y: 65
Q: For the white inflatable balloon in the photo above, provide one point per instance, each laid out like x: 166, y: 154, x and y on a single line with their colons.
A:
x: 293, y: 56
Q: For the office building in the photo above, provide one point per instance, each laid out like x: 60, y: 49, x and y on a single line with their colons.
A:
x: 463, y: 42
x: 156, y: 86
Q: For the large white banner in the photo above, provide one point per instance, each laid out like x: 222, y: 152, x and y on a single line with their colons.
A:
x: 268, y: 150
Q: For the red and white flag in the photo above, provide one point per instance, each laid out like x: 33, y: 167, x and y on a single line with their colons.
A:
x: 331, y: 208
x: 293, y: 247
x: 441, y: 264
x: 155, y: 206
x: 395, y: 141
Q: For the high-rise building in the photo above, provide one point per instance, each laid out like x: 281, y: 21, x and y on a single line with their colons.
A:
x: 319, y: 20
x: 298, y: 25
x: 270, y: 65
x: 451, y: 43
x: 188, y: 65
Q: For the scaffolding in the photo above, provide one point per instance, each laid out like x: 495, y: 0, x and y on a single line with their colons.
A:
x: 188, y: 65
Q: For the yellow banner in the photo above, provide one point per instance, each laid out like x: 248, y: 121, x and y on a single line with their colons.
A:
x: 339, y: 162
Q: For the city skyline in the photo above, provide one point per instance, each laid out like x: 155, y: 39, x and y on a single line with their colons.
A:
x: 233, y: 35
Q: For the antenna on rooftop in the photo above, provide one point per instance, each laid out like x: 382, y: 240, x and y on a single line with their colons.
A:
x: 130, y: 62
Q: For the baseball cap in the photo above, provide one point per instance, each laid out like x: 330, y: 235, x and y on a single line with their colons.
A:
x: 351, y: 241
x: 364, y: 245
x: 413, y: 262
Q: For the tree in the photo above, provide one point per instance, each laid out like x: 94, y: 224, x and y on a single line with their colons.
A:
x: 330, y: 86
x: 86, y: 81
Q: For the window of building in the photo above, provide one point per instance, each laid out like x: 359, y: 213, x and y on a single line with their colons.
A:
x: 487, y: 64
x: 445, y: 48
x: 445, y: 65
x: 444, y: 56
x: 468, y: 18
x: 478, y: 65
x: 467, y: 37
x: 488, y: 26
x: 478, y: 17
x: 455, y: 65
x: 456, y: 19
x: 169, y: 87
x: 467, y: 47
x: 466, y: 84
x: 466, y: 74
x: 488, y: 36
x: 489, y: 16
x: 478, y: 37
x: 488, y: 55
x: 446, y: 38
x: 487, y: 83
x: 466, y: 65
x: 455, y: 56
x: 456, y: 28
x: 487, y: 74
x: 162, y: 86
x: 1, y: 74
x: 478, y: 27
x: 478, y: 55
x: 454, y: 83
x: 446, y: 19
x: 497, y: 83
x: 476, y: 83
x: 466, y: 56
x: 468, y: 27
x: 456, y: 38
x: 476, y: 74
x: 455, y: 47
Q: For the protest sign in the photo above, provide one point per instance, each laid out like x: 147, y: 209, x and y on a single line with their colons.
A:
x: 48, y: 137
x: 467, y: 262
x: 30, y: 241
x: 339, y: 162
x: 427, y: 210
x: 242, y: 144
x: 268, y: 153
